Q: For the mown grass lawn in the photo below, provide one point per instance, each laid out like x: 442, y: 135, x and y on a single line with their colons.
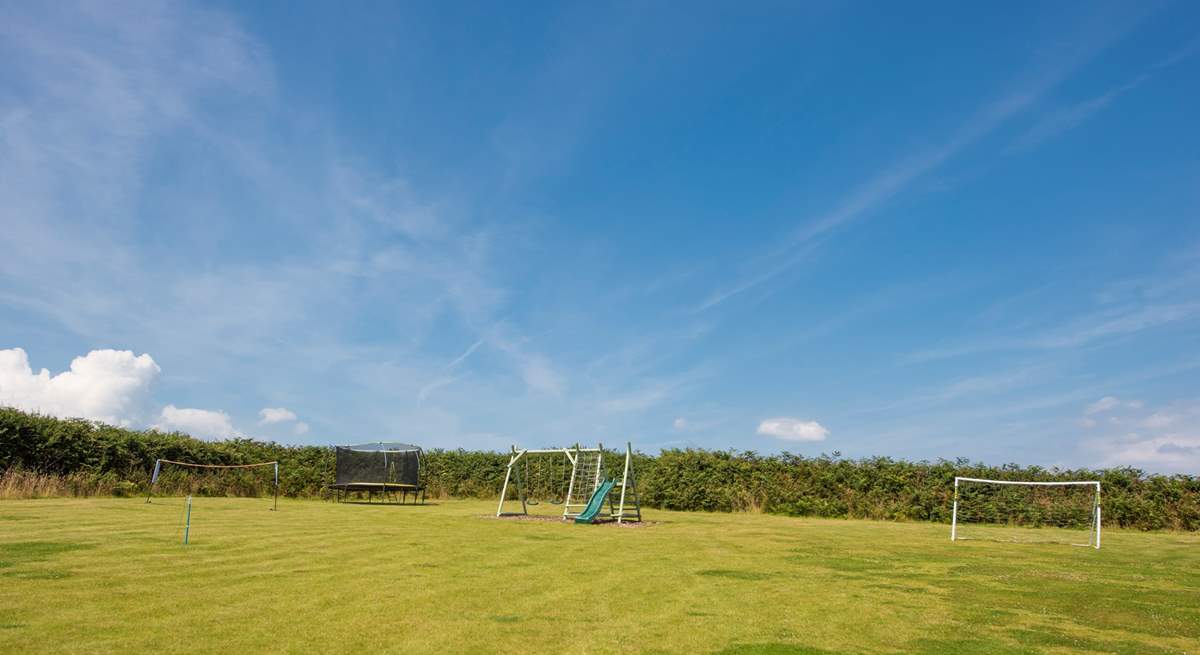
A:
x: 109, y: 576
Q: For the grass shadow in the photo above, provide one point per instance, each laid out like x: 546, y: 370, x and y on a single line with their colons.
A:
x: 772, y: 649
x: 734, y: 574
x: 21, y: 552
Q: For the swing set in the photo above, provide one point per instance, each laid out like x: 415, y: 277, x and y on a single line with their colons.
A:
x: 574, y: 478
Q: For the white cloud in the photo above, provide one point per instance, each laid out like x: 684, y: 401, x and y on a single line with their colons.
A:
x: 638, y: 400
x: 103, y: 385
x: 276, y: 415
x: 1167, y: 439
x: 1159, y: 420
x: 793, y: 429
x: 1110, y: 403
x: 467, y: 353
x: 680, y: 423
x: 1103, y: 405
x: 538, y: 373
x: 429, y: 388
x: 201, y: 423
x: 898, y: 176
x: 1167, y: 452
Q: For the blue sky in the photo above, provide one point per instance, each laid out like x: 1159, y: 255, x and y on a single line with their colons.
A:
x: 926, y: 232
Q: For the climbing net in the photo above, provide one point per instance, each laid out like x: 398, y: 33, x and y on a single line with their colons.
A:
x: 545, y: 477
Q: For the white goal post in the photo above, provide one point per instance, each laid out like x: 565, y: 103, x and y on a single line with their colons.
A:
x: 1094, y: 530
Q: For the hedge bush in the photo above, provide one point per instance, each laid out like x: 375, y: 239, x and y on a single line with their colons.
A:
x: 78, y: 457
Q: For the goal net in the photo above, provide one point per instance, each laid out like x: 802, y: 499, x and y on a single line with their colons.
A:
x: 1024, y: 511
x: 179, y: 479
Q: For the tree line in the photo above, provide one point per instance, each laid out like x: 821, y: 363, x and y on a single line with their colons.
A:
x: 42, y: 455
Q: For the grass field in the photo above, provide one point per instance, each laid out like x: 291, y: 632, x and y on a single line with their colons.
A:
x: 109, y: 575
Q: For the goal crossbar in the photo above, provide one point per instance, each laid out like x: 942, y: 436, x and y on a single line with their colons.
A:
x: 1094, y: 483
x: 1093, y: 537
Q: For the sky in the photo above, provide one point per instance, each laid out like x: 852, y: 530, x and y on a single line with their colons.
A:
x: 952, y: 230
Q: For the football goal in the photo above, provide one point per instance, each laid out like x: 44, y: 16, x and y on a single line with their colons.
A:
x: 191, y: 479
x: 1026, y: 511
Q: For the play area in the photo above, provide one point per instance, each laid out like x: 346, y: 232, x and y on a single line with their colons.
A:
x: 212, y: 574
x: 111, y: 575
x: 573, y: 478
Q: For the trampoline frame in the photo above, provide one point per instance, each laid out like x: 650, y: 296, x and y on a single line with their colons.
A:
x: 384, y: 489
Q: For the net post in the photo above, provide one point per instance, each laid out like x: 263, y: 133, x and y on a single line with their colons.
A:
x: 275, y: 506
x: 187, y: 522
x: 1097, y: 516
x: 954, y: 513
x: 153, y: 480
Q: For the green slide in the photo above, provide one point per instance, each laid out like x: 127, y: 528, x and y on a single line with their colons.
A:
x: 597, y: 501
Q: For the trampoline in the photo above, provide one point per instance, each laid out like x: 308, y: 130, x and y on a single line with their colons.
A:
x: 390, y: 470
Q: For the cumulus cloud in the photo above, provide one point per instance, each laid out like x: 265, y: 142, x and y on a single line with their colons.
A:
x: 793, y: 429
x: 276, y: 415
x: 1165, y: 439
x: 202, y: 423
x: 680, y: 423
x: 103, y: 385
x: 1175, y: 452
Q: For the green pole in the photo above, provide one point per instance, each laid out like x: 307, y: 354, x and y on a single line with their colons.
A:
x: 187, y: 524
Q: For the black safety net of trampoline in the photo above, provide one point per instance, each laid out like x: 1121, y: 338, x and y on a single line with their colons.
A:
x: 380, y: 463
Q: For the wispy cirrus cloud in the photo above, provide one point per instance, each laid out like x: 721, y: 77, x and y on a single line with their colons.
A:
x: 104, y: 92
x: 1071, y: 116
x: 432, y: 386
x: 466, y: 353
x: 1092, y: 37
x: 1074, y: 332
x: 1068, y: 118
